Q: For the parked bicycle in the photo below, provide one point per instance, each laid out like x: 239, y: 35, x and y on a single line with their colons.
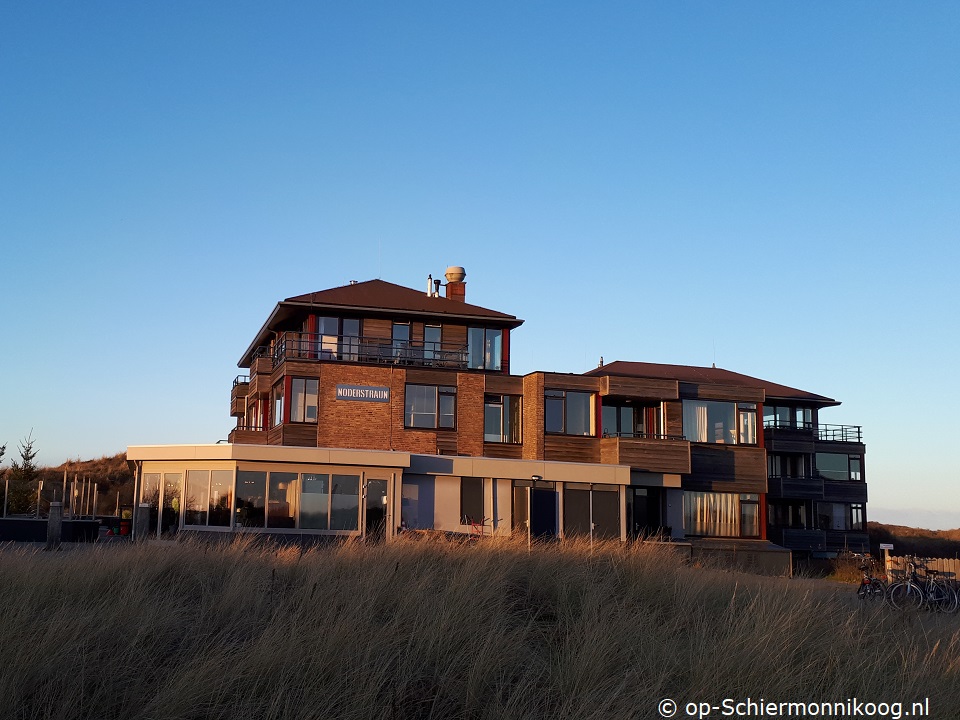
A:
x: 872, y: 589
x: 922, y: 589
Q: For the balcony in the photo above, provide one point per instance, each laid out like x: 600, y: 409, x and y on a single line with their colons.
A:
x: 248, y: 434
x: 238, y: 395
x: 650, y: 453
x: 795, y: 487
x: 829, y: 433
x: 363, y: 349
x: 840, y: 433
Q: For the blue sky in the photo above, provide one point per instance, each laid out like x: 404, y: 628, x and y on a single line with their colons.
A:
x: 769, y: 186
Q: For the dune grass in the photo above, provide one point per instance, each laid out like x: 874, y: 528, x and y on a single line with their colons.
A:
x: 438, y: 630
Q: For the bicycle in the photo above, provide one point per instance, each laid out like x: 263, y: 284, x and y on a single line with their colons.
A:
x: 872, y: 589
x: 927, y: 591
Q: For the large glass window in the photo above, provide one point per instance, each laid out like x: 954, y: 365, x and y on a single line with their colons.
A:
x: 839, y: 467
x: 430, y: 406
x: 568, y: 412
x: 619, y: 421
x: 221, y: 498
x: 195, y: 502
x: 345, y: 502
x: 782, y: 416
x: 304, y: 393
x: 717, y: 514
x: 485, y: 348
x: 283, y: 499
x: 724, y: 423
x: 251, y: 494
x: 350, y: 339
x: 833, y: 516
x: 315, y: 502
x: 501, y: 418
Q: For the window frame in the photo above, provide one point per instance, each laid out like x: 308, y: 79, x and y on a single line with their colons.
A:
x: 508, y: 434
x: 551, y: 395
x: 490, y: 351
x: 294, y: 381
x: 471, y: 498
x: 440, y: 393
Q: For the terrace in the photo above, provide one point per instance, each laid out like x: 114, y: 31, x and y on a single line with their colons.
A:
x: 365, y: 349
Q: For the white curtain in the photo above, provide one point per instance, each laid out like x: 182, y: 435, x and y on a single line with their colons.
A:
x: 711, y: 514
x: 695, y: 421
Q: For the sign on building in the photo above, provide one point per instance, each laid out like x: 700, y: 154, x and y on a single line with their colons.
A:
x: 364, y: 393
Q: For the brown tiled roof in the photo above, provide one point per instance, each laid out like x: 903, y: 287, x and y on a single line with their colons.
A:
x: 377, y: 297
x: 382, y: 295
x: 719, y: 376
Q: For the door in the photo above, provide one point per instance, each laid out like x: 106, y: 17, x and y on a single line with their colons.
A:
x: 543, y: 513
x: 375, y: 511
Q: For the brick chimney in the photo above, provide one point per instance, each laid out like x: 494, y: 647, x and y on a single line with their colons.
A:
x: 456, y: 287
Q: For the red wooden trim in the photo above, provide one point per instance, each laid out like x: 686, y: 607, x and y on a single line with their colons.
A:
x: 763, y: 516
x: 287, y: 388
x: 505, y: 360
x: 760, y: 425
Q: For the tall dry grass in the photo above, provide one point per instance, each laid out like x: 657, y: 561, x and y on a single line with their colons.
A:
x: 437, y: 630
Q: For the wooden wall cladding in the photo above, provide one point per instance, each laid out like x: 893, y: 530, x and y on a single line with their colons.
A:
x: 446, y: 443
x: 377, y: 328
x: 709, y: 391
x: 787, y: 440
x: 673, y: 423
x: 248, y: 437
x: 730, y: 468
x: 300, y: 435
x: 503, y: 450
x: 657, y: 456
x: 640, y: 388
x: 570, y: 448
x: 556, y: 381
x: 503, y: 384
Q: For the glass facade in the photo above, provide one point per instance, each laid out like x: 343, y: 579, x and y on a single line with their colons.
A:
x: 501, y: 418
x: 717, y: 514
x: 719, y: 422
x: 430, y: 406
x: 485, y: 348
x: 568, y: 412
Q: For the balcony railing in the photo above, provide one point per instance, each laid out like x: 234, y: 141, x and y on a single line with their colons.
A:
x: 241, y: 380
x: 830, y: 433
x: 642, y: 436
x: 840, y: 433
x: 347, y: 348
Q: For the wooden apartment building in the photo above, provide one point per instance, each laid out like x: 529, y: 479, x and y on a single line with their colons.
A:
x: 373, y: 409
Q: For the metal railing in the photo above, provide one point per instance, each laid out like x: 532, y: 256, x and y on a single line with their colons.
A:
x: 830, y: 433
x: 349, y: 348
x: 642, y: 436
x: 840, y: 433
x: 249, y: 426
x: 241, y: 380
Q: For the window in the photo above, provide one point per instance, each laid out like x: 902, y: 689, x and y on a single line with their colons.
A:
x: 303, y: 399
x: 747, y: 414
x: 278, y: 403
x: 401, y: 339
x: 501, y: 418
x: 568, y: 412
x: 710, y: 421
x: 780, y: 416
x: 839, y: 467
x: 628, y: 419
x: 432, y: 335
x: 430, y: 406
x: 785, y: 465
x: 715, y: 514
x: 471, y: 500
x: 283, y: 498
x: 350, y: 339
x: 251, y: 489
x: 835, y: 516
x: 856, y: 516
x: 484, y: 348
x: 329, y: 502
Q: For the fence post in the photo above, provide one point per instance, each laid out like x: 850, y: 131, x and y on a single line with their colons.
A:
x: 54, y: 525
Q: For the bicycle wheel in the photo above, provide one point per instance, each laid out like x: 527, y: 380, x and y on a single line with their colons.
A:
x: 905, y: 596
x: 872, y: 591
x: 941, y: 597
